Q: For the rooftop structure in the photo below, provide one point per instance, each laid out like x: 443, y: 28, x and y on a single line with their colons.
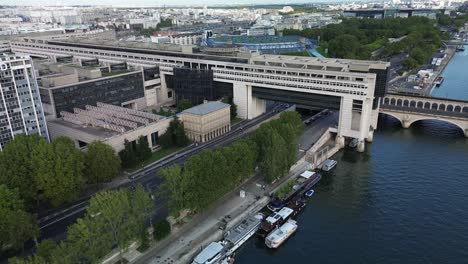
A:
x: 108, y: 123
x: 206, y: 108
x: 265, y: 44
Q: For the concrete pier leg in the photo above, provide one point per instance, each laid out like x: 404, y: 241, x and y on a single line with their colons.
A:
x: 466, y: 133
x: 340, y: 141
x: 370, y: 136
x: 361, y: 146
x: 405, y: 124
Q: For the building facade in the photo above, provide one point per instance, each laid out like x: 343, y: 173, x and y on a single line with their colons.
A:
x: 206, y: 121
x: 20, y: 104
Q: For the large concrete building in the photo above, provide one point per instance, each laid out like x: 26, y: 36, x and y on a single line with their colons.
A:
x: 206, y: 121
x: 110, y: 124
x: 350, y: 86
x: 20, y: 105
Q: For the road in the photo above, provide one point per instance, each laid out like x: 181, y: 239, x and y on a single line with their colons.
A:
x: 54, y: 225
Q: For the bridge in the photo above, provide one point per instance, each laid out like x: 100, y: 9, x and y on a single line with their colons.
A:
x: 410, y: 109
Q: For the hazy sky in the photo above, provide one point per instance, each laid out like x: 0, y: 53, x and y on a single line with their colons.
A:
x: 148, y: 2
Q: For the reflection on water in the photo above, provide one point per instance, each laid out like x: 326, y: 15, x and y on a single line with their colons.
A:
x: 402, y: 201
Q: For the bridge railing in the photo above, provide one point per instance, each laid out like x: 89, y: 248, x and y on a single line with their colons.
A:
x: 462, y: 115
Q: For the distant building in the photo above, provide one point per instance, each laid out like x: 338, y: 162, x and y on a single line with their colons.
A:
x: 207, y: 121
x: 20, y: 105
x: 109, y: 124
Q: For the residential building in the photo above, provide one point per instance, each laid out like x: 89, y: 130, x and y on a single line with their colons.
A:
x: 20, y: 104
x: 206, y: 121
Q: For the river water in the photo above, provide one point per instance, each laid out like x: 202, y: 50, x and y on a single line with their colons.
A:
x: 405, y: 200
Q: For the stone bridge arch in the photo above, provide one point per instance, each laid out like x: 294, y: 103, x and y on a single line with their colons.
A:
x: 407, y: 120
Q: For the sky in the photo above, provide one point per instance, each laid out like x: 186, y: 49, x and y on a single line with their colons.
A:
x: 148, y: 2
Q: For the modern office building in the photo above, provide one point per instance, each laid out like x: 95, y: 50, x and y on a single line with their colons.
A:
x: 64, y: 87
x: 20, y: 104
x: 351, y: 86
x: 206, y: 121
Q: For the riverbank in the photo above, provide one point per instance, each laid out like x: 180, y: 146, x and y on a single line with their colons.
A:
x: 187, y: 240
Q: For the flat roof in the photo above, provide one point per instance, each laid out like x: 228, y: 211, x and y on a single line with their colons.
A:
x: 206, y: 108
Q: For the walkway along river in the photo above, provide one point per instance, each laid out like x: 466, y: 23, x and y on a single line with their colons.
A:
x: 404, y: 200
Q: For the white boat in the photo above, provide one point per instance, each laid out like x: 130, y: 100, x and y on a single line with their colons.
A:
x: 309, y: 193
x: 214, y: 253
x: 279, y: 235
x: 329, y: 164
x: 238, y: 235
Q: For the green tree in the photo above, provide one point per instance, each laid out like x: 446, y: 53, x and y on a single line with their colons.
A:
x: 162, y: 229
x: 45, y: 250
x: 16, y: 225
x: 183, y: 104
x: 143, y: 208
x: 59, y: 168
x: 87, y: 241
x: 101, y: 162
x: 17, y: 168
x: 174, y: 135
x: 143, y: 150
x: 113, y: 215
x: 410, y: 63
x: 176, y: 189
x: 344, y: 46
x: 128, y: 155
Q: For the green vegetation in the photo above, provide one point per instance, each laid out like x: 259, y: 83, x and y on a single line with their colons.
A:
x: 233, y: 110
x: 163, y: 112
x: 155, y: 156
x: 41, y: 171
x: 285, y: 190
x: 101, y: 163
x: 35, y: 171
x: 162, y: 229
x: 175, y: 135
x: 149, y: 31
x: 135, y: 152
x: 113, y: 220
x: 303, y: 53
x: 455, y: 22
x: 211, y: 174
x: 16, y: 225
x: 322, y: 50
x: 183, y: 104
x: 358, y: 38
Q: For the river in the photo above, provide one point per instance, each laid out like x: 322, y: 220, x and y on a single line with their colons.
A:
x: 404, y: 200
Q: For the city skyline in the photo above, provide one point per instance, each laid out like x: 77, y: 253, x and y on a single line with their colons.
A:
x: 150, y: 3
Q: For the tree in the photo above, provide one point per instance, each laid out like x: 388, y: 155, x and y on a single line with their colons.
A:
x: 183, y: 104
x: 87, y: 241
x: 113, y: 215
x: 162, y: 229
x: 16, y: 225
x: 344, y: 46
x: 101, y: 162
x: 45, y: 250
x: 59, y: 168
x: 175, y: 189
x: 142, y: 207
x: 143, y: 150
x: 174, y: 135
x: 17, y: 168
x: 128, y: 155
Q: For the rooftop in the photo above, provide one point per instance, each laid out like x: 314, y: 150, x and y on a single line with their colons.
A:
x: 259, y: 39
x: 105, y: 120
x: 206, y: 108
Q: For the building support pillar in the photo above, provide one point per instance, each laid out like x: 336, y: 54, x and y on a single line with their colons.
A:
x: 248, y: 107
x: 361, y: 146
